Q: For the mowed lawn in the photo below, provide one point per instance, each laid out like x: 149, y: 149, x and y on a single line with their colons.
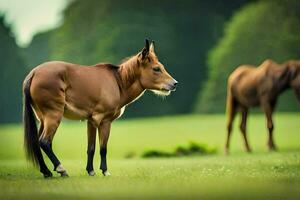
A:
x: 260, y: 175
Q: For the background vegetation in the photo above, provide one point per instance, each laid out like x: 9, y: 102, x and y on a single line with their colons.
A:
x: 260, y: 30
x: 12, y: 73
x: 109, y: 30
x: 200, y: 43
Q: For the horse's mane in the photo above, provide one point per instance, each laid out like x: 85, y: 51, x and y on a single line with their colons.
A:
x: 127, y: 70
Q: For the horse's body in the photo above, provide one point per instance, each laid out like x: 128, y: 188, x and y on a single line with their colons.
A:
x: 81, y: 92
x: 250, y: 86
x: 98, y: 94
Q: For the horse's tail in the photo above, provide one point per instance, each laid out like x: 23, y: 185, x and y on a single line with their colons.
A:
x: 31, y: 140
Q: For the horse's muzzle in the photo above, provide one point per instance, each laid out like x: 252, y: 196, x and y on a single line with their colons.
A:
x: 172, y: 86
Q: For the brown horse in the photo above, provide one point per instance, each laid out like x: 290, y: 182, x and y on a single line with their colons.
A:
x: 97, y: 93
x: 250, y: 86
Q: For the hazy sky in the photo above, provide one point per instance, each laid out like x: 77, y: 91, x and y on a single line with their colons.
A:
x: 31, y: 16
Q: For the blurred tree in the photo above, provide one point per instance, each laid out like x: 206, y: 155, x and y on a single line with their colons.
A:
x: 110, y: 30
x: 261, y: 30
x: 12, y: 73
x: 39, y: 50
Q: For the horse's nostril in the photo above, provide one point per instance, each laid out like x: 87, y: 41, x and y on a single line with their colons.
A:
x: 172, y: 85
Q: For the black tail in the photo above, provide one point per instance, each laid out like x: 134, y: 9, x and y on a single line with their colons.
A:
x: 31, y: 140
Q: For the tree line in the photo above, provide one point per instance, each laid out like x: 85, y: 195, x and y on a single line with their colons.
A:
x: 199, y: 42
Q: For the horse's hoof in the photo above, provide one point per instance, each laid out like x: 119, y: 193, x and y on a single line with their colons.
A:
x: 106, y: 173
x: 92, y: 173
x: 62, y: 171
x: 48, y: 175
x: 64, y: 174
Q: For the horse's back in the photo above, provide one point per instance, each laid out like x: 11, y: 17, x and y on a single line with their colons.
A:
x: 242, y: 83
x: 51, y: 70
x: 49, y: 77
x: 240, y: 73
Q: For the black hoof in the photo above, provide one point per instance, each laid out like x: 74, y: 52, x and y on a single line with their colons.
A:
x: 46, y: 172
x: 48, y: 175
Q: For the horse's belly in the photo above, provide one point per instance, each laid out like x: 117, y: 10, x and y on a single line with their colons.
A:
x: 248, y: 97
x: 71, y: 112
x: 249, y: 102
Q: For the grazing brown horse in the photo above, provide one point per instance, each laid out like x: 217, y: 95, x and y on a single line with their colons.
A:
x: 97, y: 93
x: 250, y: 86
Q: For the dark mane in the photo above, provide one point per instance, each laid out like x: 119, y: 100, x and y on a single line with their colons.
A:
x: 114, y: 69
x: 127, y: 70
x: 125, y: 73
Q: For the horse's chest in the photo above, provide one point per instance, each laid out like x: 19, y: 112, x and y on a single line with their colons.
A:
x: 115, y: 114
x: 97, y: 117
x: 122, y: 110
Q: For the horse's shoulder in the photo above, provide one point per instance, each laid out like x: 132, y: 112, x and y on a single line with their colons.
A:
x: 241, y: 71
x: 267, y: 62
x: 269, y: 65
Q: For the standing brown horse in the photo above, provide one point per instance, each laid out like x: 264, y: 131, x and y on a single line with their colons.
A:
x: 97, y: 93
x: 250, y: 86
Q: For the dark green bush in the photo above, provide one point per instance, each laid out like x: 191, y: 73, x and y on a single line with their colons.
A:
x: 191, y: 150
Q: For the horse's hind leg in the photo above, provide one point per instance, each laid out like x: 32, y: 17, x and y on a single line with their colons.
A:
x: 51, y: 123
x: 231, y: 109
x: 43, y: 167
x: 244, y: 112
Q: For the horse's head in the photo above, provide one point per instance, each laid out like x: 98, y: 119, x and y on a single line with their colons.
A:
x: 294, y: 69
x: 153, y: 75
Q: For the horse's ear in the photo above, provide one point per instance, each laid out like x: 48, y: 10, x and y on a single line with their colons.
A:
x: 145, y: 50
x: 147, y: 45
x: 151, y: 49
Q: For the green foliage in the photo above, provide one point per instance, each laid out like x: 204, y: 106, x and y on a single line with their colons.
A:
x: 191, y: 150
x: 12, y: 73
x: 261, y: 30
x: 157, y: 154
x: 109, y: 30
x: 39, y: 51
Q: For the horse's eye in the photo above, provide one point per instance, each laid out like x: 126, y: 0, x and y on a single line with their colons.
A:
x: 156, y: 69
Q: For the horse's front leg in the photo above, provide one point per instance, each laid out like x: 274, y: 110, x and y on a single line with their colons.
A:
x: 104, y: 130
x: 268, y: 109
x: 91, y: 135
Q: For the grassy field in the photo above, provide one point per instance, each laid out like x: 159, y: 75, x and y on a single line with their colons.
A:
x: 261, y: 175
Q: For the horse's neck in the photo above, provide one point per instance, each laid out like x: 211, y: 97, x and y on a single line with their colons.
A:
x: 131, y: 88
x: 132, y: 93
x: 282, y: 80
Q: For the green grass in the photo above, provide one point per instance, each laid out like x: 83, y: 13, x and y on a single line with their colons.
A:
x: 261, y: 175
